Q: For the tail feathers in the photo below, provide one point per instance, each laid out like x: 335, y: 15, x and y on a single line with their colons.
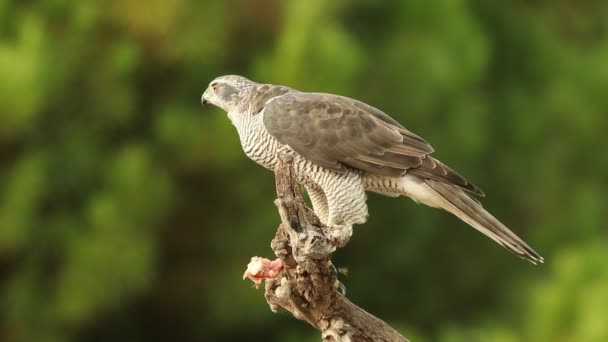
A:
x: 470, y: 211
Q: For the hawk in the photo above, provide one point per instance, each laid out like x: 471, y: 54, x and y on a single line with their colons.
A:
x: 342, y: 148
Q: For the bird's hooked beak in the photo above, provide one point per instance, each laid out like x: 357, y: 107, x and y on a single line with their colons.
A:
x: 204, y: 100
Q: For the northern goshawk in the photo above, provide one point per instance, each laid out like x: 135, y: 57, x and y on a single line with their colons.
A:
x: 342, y: 148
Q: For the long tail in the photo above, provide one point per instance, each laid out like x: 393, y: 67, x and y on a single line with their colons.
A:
x: 457, y: 202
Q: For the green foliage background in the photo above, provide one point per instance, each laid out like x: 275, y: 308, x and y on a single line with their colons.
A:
x: 128, y: 212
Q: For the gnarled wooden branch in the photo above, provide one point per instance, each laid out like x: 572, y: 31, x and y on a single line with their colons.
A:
x: 308, y: 286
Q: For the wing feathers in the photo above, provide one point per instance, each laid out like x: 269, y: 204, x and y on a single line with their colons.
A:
x: 406, y: 150
x: 334, y: 131
x: 391, y: 160
x: 328, y: 129
x: 432, y: 168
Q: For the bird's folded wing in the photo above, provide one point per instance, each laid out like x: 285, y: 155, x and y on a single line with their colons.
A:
x: 338, y: 132
x: 335, y: 131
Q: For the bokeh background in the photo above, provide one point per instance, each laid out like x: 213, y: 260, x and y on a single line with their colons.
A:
x: 129, y: 213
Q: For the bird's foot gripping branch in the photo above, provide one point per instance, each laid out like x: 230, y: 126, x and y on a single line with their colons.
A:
x: 303, y: 280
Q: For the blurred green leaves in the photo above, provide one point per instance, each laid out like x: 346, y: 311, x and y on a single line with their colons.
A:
x: 21, y: 65
x: 25, y: 189
x: 312, y: 47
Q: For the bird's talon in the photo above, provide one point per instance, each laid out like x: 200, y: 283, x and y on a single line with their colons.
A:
x: 340, y: 234
x: 340, y: 287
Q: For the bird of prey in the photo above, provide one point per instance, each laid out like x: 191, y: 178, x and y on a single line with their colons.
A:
x: 342, y: 148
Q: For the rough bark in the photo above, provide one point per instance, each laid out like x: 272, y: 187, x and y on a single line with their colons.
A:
x: 308, y: 287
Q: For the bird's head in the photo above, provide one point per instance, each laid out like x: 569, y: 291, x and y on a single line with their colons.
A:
x: 227, y: 92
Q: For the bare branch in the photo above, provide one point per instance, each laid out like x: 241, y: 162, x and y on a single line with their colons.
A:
x: 308, y: 286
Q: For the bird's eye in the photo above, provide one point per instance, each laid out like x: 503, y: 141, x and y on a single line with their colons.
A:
x: 215, y: 86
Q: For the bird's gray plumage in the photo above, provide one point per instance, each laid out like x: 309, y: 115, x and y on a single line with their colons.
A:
x: 338, y: 132
x: 344, y: 147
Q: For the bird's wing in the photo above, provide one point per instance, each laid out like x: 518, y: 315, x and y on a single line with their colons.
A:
x: 257, y: 99
x: 338, y: 132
